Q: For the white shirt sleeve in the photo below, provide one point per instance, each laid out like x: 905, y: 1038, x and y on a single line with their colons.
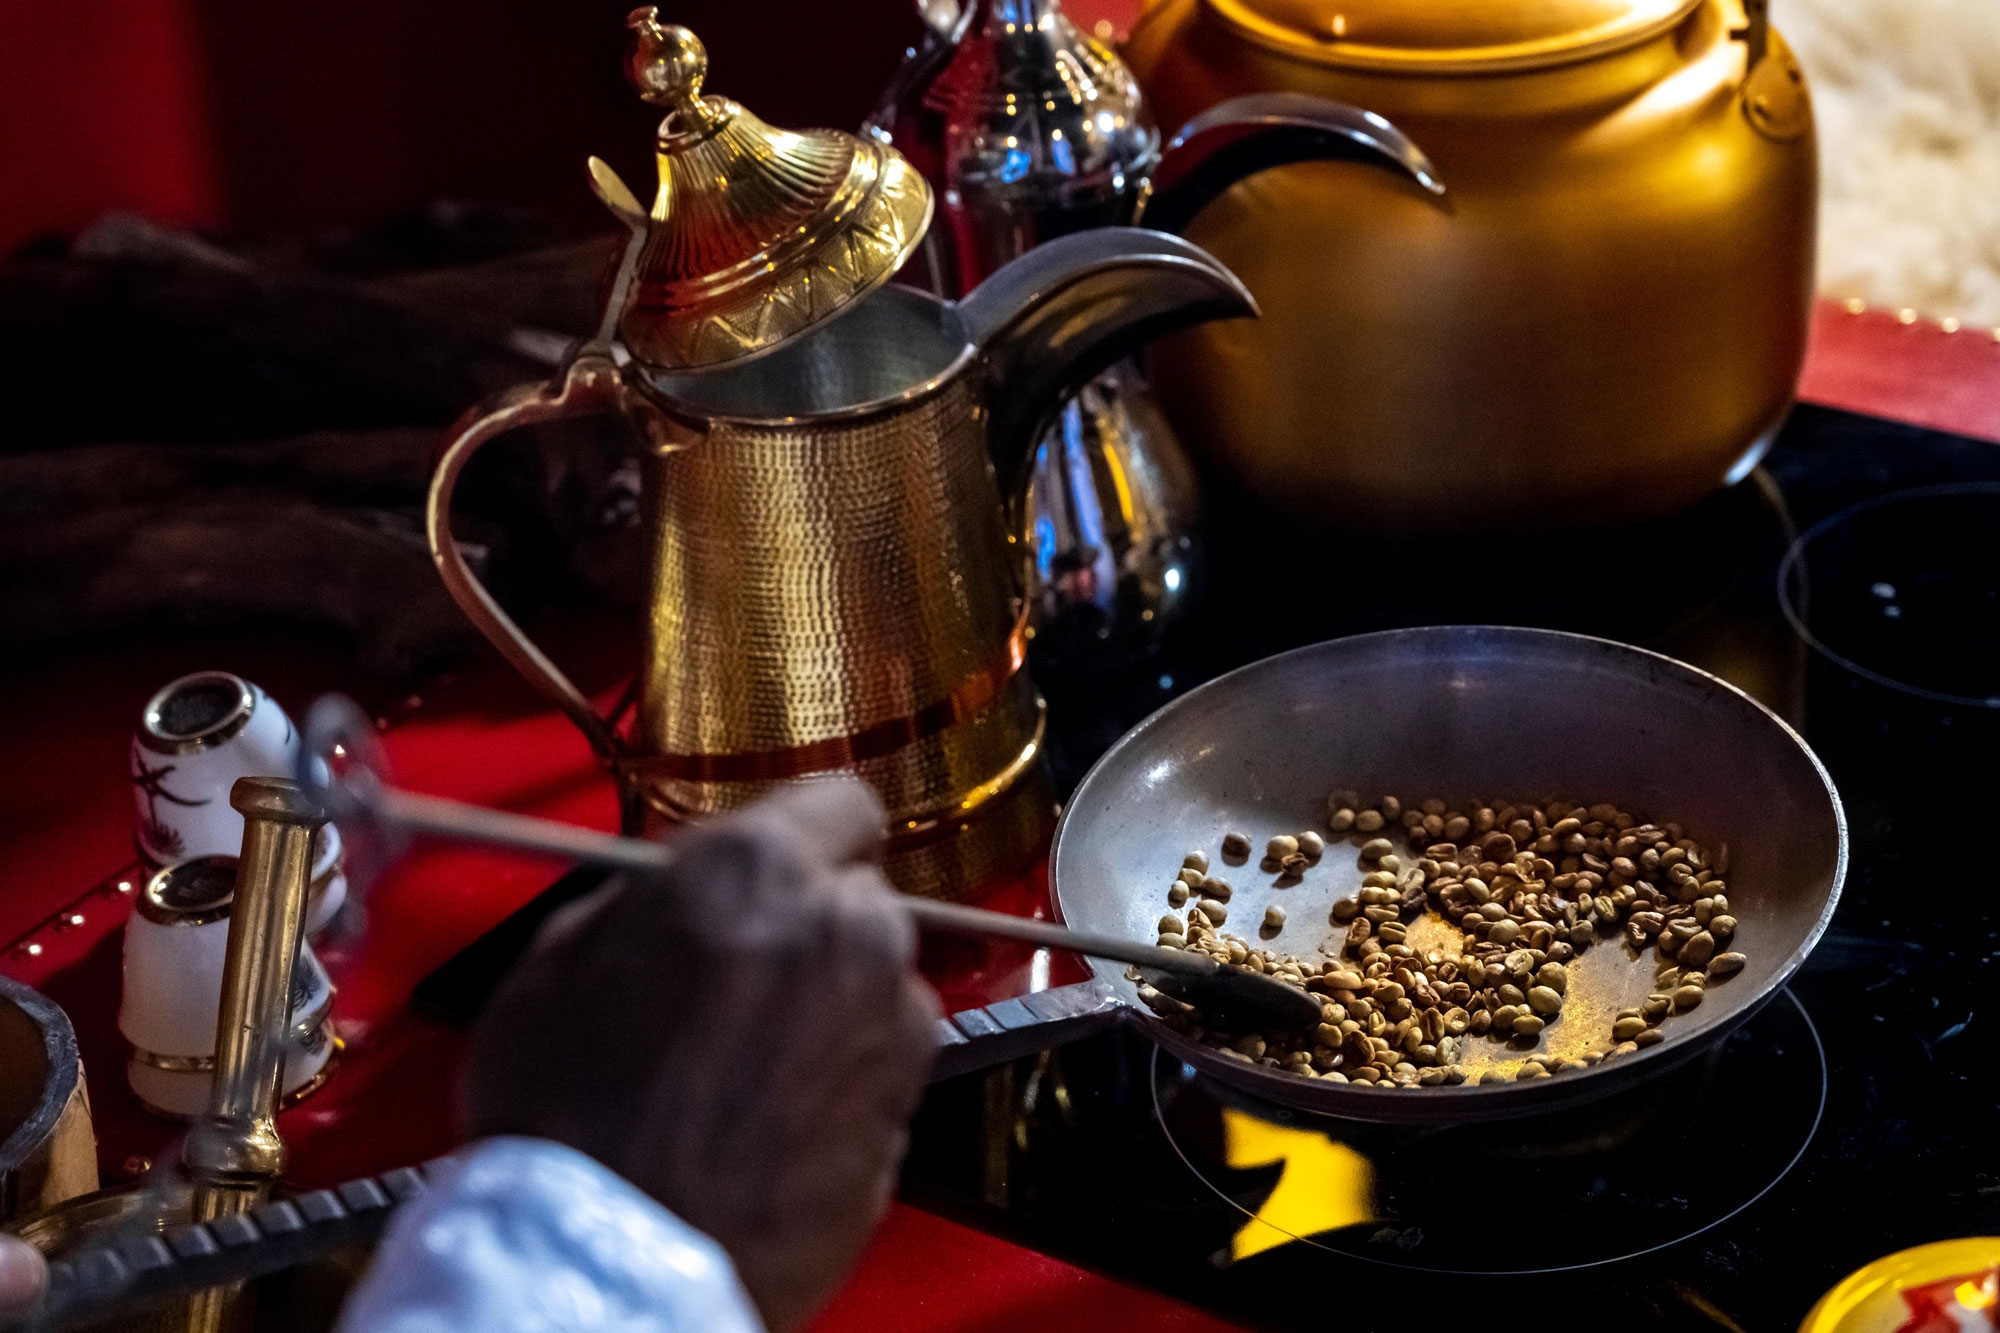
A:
x: 526, y: 1236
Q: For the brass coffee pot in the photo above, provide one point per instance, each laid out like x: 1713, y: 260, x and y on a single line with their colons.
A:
x: 1605, y: 320
x: 835, y: 586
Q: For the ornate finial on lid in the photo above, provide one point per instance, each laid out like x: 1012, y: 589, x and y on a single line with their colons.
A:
x: 667, y: 67
x: 757, y: 235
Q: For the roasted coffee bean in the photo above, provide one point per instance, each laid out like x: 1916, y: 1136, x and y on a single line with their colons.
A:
x: 1235, y: 846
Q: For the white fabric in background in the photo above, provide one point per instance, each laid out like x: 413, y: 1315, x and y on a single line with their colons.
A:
x: 1908, y: 99
x: 524, y: 1236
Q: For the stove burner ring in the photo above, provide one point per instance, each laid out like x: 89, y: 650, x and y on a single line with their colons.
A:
x: 1795, y: 587
x: 1818, y: 1100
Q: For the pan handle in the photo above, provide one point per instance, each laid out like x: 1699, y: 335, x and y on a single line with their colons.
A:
x: 974, y: 1039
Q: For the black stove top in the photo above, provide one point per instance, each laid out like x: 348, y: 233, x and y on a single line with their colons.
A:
x: 1853, y: 1116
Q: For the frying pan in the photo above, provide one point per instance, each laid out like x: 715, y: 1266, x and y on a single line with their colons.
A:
x: 1515, y: 715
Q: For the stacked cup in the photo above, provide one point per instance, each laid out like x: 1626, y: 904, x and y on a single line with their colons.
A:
x: 197, y: 736
x: 175, y: 945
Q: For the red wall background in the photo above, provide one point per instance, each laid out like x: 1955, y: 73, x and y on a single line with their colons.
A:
x: 257, y: 116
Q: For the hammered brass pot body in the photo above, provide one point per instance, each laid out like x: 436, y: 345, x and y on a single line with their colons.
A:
x: 842, y: 594
x: 834, y: 586
x: 1604, y: 320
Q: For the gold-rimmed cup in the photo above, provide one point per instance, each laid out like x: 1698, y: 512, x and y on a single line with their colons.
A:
x: 176, y: 942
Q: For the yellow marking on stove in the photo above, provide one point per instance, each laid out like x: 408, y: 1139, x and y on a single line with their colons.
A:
x: 1323, y: 1185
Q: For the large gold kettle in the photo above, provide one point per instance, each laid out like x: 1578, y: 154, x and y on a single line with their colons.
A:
x: 1603, y: 319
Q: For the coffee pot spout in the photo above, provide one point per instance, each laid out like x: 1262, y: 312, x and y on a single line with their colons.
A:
x: 1064, y: 312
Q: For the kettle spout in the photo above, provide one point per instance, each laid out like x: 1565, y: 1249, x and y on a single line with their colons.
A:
x: 1067, y: 310
x: 1246, y: 135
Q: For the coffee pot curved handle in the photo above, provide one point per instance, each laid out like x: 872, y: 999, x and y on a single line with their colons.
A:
x: 589, y: 385
x: 1245, y: 135
x: 1071, y: 308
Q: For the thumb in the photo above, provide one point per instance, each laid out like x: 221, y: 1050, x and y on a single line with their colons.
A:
x: 23, y: 1274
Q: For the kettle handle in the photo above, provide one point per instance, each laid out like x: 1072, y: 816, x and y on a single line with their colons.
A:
x: 1246, y: 135
x: 589, y: 385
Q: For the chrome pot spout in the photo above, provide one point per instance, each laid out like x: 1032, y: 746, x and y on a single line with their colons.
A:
x: 1052, y: 319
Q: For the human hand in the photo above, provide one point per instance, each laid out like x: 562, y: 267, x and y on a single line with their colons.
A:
x: 744, y: 1036
x: 23, y: 1275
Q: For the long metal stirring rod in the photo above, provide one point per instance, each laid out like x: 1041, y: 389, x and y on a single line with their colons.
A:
x: 339, y: 764
x: 496, y: 828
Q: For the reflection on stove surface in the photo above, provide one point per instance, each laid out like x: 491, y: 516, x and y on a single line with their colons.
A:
x: 1626, y: 1175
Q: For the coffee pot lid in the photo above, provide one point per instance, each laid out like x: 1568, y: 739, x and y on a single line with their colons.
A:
x: 757, y: 234
x: 1450, y: 36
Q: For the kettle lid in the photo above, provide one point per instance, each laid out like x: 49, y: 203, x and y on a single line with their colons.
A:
x: 1450, y: 36
x: 757, y: 235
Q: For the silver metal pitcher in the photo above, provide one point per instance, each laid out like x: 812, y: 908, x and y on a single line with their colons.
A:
x: 1029, y: 129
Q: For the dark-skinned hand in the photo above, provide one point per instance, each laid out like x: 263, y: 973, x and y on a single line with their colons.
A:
x: 744, y: 1036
